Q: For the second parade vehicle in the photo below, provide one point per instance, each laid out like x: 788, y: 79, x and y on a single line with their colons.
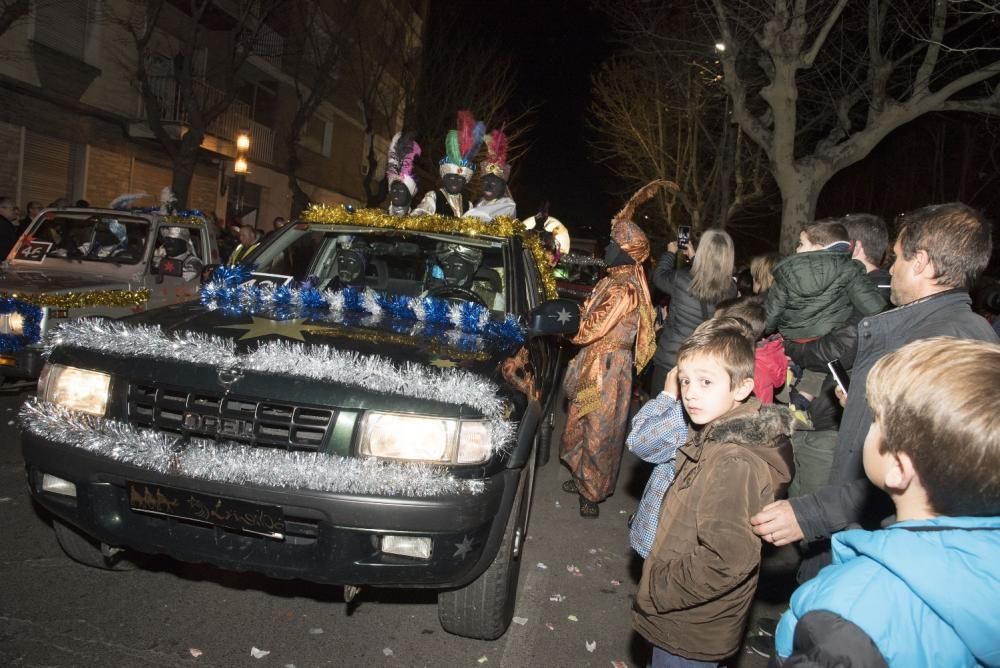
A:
x: 360, y: 405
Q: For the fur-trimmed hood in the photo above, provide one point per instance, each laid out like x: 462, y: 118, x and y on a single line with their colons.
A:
x: 764, y: 430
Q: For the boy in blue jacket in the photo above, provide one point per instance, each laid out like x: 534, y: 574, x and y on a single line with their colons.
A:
x: 925, y: 591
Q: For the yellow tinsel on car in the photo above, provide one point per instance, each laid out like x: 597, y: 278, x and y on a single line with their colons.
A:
x: 119, y: 298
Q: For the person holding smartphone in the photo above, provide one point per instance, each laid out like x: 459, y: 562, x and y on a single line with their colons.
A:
x: 694, y: 291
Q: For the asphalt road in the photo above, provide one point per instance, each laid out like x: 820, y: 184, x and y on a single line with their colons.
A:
x: 577, y: 581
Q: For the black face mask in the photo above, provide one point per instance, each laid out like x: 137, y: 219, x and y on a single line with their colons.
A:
x: 454, y: 183
x: 174, y: 247
x: 399, y: 195
x: 493, y: 186
x: 349, y: 266
x: 614, y: 256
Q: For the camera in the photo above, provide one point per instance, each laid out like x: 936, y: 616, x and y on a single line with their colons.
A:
x: 683, y: 236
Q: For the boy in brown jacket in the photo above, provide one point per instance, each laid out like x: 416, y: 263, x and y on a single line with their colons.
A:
x: 700, y: 577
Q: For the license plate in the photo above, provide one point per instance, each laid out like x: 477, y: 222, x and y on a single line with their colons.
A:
x: 215, y: 510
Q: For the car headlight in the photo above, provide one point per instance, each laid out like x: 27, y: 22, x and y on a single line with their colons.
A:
x: 76, y: 389
x: 426, y: 439
x: 12, y: 323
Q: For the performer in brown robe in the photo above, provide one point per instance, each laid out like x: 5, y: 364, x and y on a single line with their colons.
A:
x: 616, y: 330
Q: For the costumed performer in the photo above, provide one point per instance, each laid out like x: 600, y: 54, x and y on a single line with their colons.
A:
x: 402, y: 187
x: 616, y: 330
x: 456, y: 168
x: 496, y: 199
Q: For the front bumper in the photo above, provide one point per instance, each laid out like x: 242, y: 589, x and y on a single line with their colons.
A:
x: 330, y: 537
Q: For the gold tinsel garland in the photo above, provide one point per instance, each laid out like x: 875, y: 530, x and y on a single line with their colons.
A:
x: 383, y: 338
x: 173, y: 220
x: 502, y: 226
x: 118, y: 298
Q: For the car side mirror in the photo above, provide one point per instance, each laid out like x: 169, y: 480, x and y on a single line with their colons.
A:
x: 556, y: 316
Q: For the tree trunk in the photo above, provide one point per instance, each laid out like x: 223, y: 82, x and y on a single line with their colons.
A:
x: 184, y: 165
x: 799, y: 193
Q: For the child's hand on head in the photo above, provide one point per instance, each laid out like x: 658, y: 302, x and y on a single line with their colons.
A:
x: 672, y: 387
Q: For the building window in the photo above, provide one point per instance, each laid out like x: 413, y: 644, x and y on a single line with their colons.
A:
x: 317, y: 135
x: 62, y: 25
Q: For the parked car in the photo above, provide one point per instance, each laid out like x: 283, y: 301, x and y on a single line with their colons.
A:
x: 79, y: 262
x: 362, y: 408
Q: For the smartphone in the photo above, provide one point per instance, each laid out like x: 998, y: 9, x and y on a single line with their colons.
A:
x: 683, y: 236
x: 839, y: 374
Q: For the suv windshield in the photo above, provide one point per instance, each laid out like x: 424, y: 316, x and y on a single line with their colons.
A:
x: 93, y: 238
x: 404, y: 263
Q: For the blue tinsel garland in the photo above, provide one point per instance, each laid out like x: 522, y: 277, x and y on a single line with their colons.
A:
x: 31, y: 331
x: 227, y: 290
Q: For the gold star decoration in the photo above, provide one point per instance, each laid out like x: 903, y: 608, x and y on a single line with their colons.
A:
x: 443, y: 363
x: 261, y: 327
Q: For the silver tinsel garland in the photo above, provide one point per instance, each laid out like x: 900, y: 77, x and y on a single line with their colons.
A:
x: 238, y: 464
x: 297, y: 360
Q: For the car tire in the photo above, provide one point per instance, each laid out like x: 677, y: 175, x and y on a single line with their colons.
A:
x: 483, y: 609
x: 87, y: 551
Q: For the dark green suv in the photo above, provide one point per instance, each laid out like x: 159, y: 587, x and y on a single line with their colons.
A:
x: 363, y: 403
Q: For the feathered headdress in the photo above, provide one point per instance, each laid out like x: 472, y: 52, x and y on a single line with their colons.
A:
x: 168, y: 200
x: 496, y: 155
x: 402, y: 152
x: 124, y: 202
x: 461, y: 146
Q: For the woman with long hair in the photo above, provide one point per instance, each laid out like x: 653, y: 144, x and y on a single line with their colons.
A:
x: 693, y: 294
x: 761, y: 268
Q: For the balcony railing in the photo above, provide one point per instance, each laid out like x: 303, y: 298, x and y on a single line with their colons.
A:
x: 234, y: 120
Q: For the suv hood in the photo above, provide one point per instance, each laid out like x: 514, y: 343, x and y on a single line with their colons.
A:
x: 401, y: 341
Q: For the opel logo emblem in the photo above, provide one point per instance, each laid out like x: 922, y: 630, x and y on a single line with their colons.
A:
x: 227, y: 377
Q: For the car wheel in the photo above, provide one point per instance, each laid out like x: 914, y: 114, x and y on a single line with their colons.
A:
x: 484, y: 608
x: 87, y: 551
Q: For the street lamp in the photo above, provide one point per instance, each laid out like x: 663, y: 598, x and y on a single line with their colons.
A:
x: 720, y: 46
x: 241, y: 167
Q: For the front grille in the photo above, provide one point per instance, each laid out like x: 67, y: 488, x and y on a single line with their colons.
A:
x: 228, y: 418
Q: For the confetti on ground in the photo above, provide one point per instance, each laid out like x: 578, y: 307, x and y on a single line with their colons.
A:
x: 195, y: 652
x: 617, y: 583
x: 619, y: 664
x: 387, y: 651
x: 622, y: 512
x: 591, y: 645
x: 572, y: 618
x: 521, y: 621
x: 10, y: 423
x: 550, y: 626
x: 557, y: 598
x: 258, y: 653
x: 4, y: 499
x: 316, y: 632
x: 482, y: 659
x: 542, y: 566
x: 570, y: 568
x: 592, y: 551
x: 557, y: 505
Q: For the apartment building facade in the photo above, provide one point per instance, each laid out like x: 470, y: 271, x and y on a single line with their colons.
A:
x: 73, y: 124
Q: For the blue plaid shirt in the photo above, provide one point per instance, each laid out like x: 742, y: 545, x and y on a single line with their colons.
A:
x: 658, y: 429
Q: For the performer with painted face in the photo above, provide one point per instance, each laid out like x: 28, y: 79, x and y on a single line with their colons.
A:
x: 399, y: 170
x: 616, y: 332
x: 496, y: 199
x: 456, y: 168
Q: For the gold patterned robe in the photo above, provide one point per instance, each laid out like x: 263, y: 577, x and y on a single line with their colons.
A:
x: 598, y: 383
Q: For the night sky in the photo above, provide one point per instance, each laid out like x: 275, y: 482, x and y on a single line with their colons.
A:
x: 556, y: 45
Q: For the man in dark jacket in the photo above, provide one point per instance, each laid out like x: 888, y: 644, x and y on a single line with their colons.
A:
x: 8, y: 226
x: 940, y: 250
